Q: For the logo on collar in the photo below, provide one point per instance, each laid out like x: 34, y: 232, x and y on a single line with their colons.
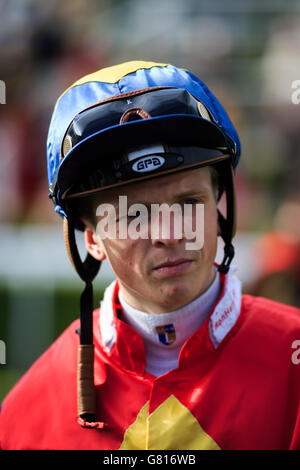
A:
x: 226, y: 311
x: 166, y: 334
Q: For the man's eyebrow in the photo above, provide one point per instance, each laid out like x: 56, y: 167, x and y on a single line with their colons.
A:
x: 201, y: 191
x: 114, y: 201
x: 196, y: 191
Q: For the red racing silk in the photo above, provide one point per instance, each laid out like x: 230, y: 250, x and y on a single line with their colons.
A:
x: 236, y: 385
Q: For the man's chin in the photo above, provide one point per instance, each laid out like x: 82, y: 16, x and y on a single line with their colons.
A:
x: 175, y: 297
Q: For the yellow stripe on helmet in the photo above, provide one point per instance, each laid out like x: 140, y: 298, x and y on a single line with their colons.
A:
x: 114, y: 73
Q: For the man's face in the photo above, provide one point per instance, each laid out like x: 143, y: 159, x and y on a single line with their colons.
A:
x: 158, y: 273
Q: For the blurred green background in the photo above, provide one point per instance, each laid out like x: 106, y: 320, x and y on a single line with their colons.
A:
x: 31, y: 318
x: 246, y: 51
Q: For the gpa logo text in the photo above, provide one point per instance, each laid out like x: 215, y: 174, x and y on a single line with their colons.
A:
x: 2, y: 92
x: 2, y: 352
x: 149, y: 163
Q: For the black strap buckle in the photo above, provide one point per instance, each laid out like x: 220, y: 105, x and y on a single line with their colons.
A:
x: 228, y: 256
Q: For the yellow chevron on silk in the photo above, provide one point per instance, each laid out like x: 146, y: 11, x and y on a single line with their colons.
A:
x: 114, y: 73
x: 171, y: 426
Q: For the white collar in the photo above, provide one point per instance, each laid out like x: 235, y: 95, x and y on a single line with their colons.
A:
x: 164, y: 334
x: 222, y: 318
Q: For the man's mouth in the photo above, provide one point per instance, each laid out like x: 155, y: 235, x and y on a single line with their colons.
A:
x: 173, y: 267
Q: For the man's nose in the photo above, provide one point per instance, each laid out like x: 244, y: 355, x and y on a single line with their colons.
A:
x: 166, y: 229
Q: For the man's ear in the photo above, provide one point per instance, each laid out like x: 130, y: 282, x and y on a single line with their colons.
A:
x: 94, y: 244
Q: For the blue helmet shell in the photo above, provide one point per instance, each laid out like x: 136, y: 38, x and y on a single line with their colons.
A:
x: 124, y: 78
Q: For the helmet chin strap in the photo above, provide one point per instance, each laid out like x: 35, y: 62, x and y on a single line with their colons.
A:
x: 228, y: 225
x: 228, y: 247
x: 87, y: 270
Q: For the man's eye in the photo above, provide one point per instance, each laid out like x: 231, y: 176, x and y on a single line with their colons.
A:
x: 191, y: 201
x: 132, y: 215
